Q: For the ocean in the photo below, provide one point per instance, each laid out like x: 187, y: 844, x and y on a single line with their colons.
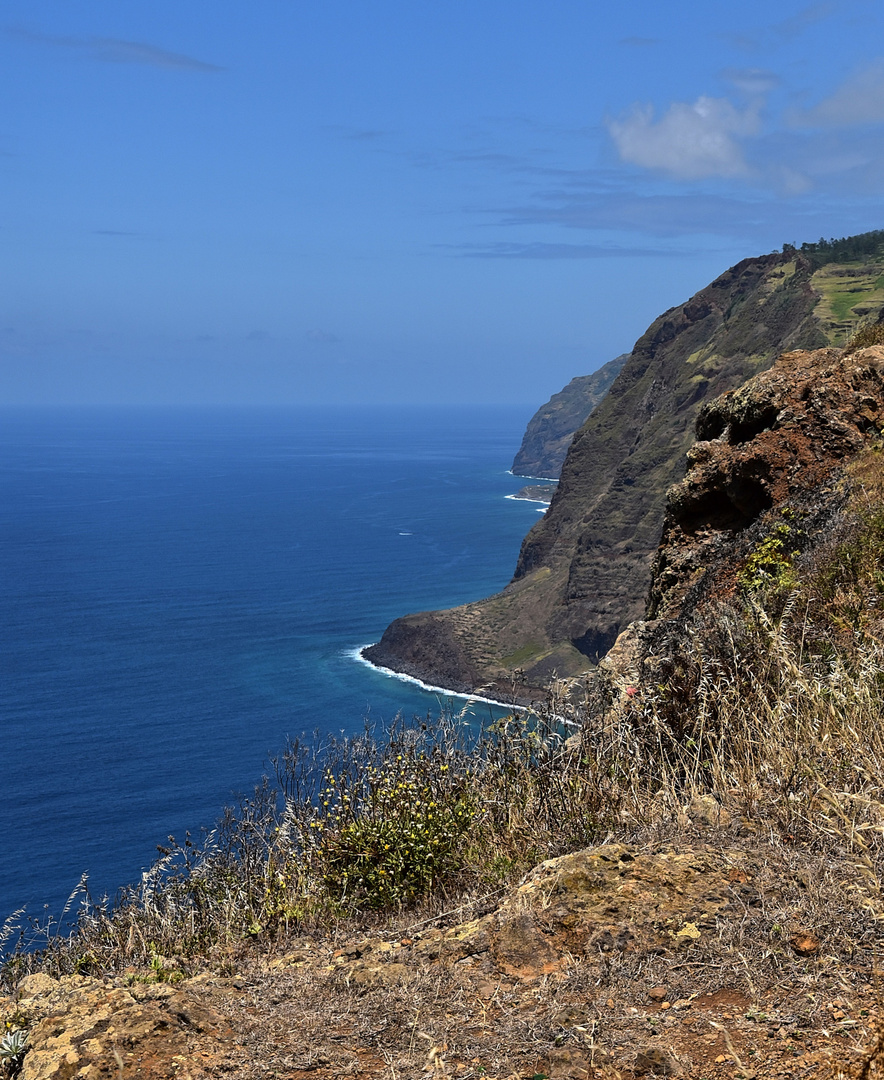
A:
x: 183, y: 589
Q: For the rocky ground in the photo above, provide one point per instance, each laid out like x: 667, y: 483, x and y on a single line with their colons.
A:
x: 711, y: 953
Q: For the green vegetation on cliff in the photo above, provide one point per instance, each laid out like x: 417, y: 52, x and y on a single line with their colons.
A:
x: 845, y: 249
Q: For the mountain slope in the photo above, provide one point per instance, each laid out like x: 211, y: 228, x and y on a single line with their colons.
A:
x: 584, y: 569
x: 551, y: 429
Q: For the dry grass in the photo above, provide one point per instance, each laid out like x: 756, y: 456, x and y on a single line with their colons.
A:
x: 873, y: 334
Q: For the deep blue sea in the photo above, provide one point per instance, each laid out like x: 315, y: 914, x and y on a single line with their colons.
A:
x: 183, y: 589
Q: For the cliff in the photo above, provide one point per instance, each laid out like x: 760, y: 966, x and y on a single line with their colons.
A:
x: 584, y: 570
x: 551, y: 429
x: 761, y: 476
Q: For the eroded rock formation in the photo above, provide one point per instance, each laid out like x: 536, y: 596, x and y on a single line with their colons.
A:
x: 772, y: 446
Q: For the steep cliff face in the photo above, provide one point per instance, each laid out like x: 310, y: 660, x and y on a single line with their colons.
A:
x: 551, y: 429
x: 585, y: 569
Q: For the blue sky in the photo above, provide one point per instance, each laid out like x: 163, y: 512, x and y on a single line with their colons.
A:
x: 403, y: 201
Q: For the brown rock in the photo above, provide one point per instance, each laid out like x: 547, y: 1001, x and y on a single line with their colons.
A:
x: 520, y: 948
x: 804, y: 943
x: 35, y: 986
x: 780, y: 435
x: 378, y: 974
x: 596, y: 903
x: 657, y: 1062
x: 567, y: 1063
x: 707, y: 810
x: 84, y: 1028
x: 657, y: 993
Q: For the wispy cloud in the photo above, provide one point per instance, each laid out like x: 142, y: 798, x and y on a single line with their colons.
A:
x: 364, y: 135
x: 858, y: 100
x: 322, y: 337
x: 117, y: 50
x: 786, y: 30
x: 688, y: 141
x: 540, y: 250
x: 631, y: 212
x: 799, y: 22
x: 754, y: 81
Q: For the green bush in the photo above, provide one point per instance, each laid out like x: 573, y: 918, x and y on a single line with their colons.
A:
x: 770, y: 566
x: 396, y: 833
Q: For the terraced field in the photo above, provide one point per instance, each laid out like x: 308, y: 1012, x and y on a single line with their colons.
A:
x: 851, y: 295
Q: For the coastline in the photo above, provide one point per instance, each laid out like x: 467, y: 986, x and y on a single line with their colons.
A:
x: 524, y: 476
x: 524, y: 498
x: 356, y: 654
x: 543, y: 493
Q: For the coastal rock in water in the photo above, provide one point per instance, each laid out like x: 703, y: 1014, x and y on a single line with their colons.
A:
x: 551, y: 429
x: 537, y: 493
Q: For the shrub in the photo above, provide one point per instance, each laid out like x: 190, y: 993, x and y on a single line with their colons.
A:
x: 387, y: 833
x: 770, y: 566
x: 863, y: 338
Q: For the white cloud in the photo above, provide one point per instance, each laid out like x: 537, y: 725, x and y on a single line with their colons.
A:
x: 688, y: 141
x: 859, y: 100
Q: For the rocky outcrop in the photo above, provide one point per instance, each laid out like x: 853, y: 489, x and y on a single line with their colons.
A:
x: 536, y: 493
x: 584, y: 570
x: 551, y: 429
x: 94, y: 1029
x: 763, y: 467
x: 599, y: 902
x: 786, y: 471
